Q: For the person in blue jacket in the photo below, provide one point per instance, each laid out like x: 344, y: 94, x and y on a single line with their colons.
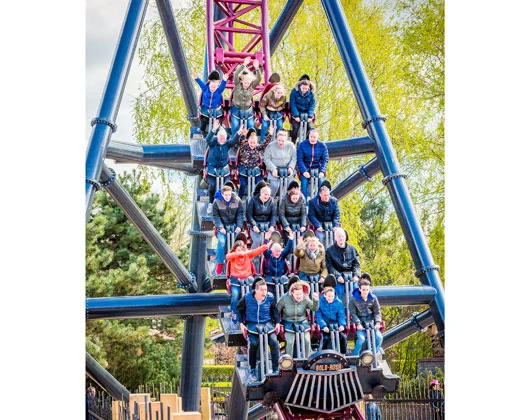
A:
x: 258, y: 307
x: 217, y: 159
x: 324, y: 209
x: 275, y: 264
x: 212, y: 98
x: 311, y: 154
x: 302, y: 101
x: 331, y: 311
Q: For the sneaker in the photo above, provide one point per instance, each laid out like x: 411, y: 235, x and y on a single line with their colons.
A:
x: 219, y: 269
x: 234, y: 319
x: 275, y: 372
x: 253, y: 377
x: 209, y: 210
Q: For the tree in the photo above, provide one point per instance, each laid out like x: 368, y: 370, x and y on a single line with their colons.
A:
x: 119, y: 262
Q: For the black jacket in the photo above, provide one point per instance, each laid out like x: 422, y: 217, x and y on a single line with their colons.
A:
x: 340, y: 260
x: 291, y: 213
x: 258, y: 212
x: 226, y: 215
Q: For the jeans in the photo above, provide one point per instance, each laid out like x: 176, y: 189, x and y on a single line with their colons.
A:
x: 339, y: 290
x: 289, y: 347
x: 235, y: 294
x: 236, y: 115
x: 253, y: 340
x: 212, y: 185
x: 275, y: 183
x: 304, y: 184
x: 321, y: 237
x: 221, y: 244
x: 361, y: 338
x: 278, y: 116
x: 243, y: 181
x: 327, y: 342
x: 295, y: 126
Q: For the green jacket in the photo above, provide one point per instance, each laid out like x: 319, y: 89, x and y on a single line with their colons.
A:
x: 292, y: 311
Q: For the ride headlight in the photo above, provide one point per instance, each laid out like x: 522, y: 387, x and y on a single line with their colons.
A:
x: 367, y: 357
x: 286, y: 362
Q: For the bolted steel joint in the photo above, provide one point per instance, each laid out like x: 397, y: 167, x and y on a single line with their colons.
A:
x: 95, y: 121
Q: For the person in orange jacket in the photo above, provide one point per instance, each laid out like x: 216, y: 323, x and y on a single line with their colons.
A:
x: 240, y: 259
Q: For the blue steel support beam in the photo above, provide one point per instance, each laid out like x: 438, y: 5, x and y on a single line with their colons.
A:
x: 179, y: 59
x: 364, y: 174
x: 148, y: 231
x: 124, y: 307
x: 393, y: 178
x: 192, y: 360
x: 105, y: 123
x: 338, y: 149
x: 404, y: 295
x: 149, y: 153
x: 283, y: 22
x: 407, y: 328
x: 108, y: 382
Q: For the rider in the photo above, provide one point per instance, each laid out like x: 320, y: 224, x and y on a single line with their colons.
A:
x: 341, y: 258
x: 259, y: 309
x: 249, y: 156
x: 292, y: 209
x: 302, y: 101
x: 245, y: 82
x: 227, y: 211
x: 217, y: 157
x: 366, y: 313
x: 279, y: 154
x: 331, y: 311
x: 312, y: 154
x: 293, y: 310
x: 212, y: 98
x: 272, y: 106
x: 324, y: 208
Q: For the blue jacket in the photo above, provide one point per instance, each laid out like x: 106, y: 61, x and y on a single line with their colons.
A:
x: 210, y: 100
x: 257, y: 314
x: 309, y: 156
x: 217, y: 153
x: 302, y: 103
x: 277, y: 267
x: 330, y: 313
x: 320, y: 212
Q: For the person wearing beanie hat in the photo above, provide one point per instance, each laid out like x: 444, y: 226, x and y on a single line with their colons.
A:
x: 293, y: 308
x: 245, y: 82
x: 272, y: 107
x: 312, y: 158
x: 292, y: 209
x: 280, y: 160
x: 211, y: 99
x: 228, y: 215
x: 342, y: 260
x: 324, y: 213
x: 302, y: 102
x: 249, y: 158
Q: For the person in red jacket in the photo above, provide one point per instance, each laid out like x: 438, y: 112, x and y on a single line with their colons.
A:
x: 240, y: 259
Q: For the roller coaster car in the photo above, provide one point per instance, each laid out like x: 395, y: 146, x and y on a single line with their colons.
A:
x: 326, y: 384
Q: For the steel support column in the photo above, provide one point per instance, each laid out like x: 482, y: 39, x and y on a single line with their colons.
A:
x: 339, y: 149
x: 192, y: 360
x: 124, y: 307
x: 283, y: 22
x: 176, y: 49
x: 108, y: 382
x: 238, y: 405
x: 374, y: 122
x: 404, y: 295
x: 148, y: 231
x: 407, y: 328
x: 364, y: 174
x: 198, y: 246
x: 105, y: 123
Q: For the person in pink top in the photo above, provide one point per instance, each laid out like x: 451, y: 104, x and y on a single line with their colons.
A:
x: 241, y: 268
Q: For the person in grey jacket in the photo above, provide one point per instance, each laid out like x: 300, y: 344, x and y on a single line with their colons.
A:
x: 292, y: 210
x: 293, y: 308
x: 279, y: 154
x: 366, y: 313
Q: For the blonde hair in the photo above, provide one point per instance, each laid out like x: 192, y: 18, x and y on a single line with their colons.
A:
x: 276, y: 245
x: 222, y: 132
x: 297, y: 285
